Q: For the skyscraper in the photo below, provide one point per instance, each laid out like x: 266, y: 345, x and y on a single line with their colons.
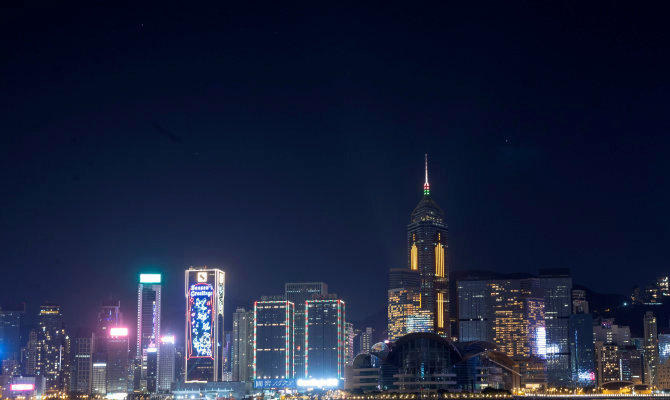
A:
x: 475, y: 310
x: 11, y: 324
x: 273, y: 356
x: 82, y: 362
x: 148, y: 327
x: 205, y: 290
x: 556, y: 290
x: 48, y: 348
x: 243, y: 336
x: 426, y: 253
x: 582, y: 353
x: 650, y: 347
x: 298, y: 293
x: 116, y: 360
x: 166, y: 368
x: 365, y: 340
x: 324, y: 339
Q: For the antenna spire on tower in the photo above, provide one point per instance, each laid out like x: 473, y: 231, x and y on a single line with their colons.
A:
x: 426, y: 185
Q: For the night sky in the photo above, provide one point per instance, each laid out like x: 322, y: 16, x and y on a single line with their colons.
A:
x: 286, y: 144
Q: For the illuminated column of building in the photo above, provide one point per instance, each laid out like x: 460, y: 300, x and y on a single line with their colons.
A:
x: 148, y: 328
x: 205, y: 291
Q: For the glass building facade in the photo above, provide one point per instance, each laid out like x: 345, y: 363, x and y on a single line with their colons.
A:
x: 273, y: 340
x: 298, y: 293
x: 324, y: 339
x: 582, y: 353
x: 556, y: 290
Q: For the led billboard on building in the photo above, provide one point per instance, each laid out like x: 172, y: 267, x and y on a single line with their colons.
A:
x: 200, y: 343
x: 204, y: 288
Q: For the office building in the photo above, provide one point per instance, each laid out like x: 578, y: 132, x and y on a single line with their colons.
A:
x: 242, y: 349
x: 582, y: 353
x: 82, y: 362
x: 631, y: 364
x: 273, y: 356
x: 579, y: 303
x: 109, y: 316
x: 116, y: 360
x: 365, y: 340
x: 607, y: 331
x: 475, y: 310
x: 556, y: 291
x: 426, y: 254
x: 325, y: 339
x: 404, y: 278
x: 48, y: 349
x: 297, y: 293
x: 99, y: 378
x: 651, y: 357
x: 11, y: 325
x: 204, y: 288
x: 607, y: 362
x: 166, y: 366
x: 148, y: 327
x: 405, y: 314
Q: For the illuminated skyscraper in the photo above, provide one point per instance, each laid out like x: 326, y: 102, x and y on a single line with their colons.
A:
x: 82, y: 362
x: 556, y: 291
x: 324, y: 339
x: 166, y: 368
x: 365, y: 340
x: 582, y: 353
x: 48, y: 348
x: 273, y: 343
x: 243, y: 348
x: 650, y: 347
x: 608, y: 362
x: 204, y: 288
x: 663, y: 347
x: 117, y: 360
x: 109, y: 315
x: 426, y: 253
x: 148, y: 327
x: 298, y: 293
x: 11, y: 325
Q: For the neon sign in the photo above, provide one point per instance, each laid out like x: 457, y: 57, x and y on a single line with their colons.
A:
x: 122, y: 332
x: 201, y: 296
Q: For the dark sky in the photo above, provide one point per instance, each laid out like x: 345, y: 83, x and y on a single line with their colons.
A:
x: 286, y: 143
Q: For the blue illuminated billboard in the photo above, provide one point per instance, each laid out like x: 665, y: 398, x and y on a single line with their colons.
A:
x: 200, y: 340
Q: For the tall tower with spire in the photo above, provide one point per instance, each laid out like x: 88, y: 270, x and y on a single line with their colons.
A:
x: 426, y: 254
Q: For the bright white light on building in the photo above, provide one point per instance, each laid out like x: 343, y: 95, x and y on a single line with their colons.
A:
x: 21, y: 387
x: 116, y: 396
x: 167, y: 339
x: 150, y: 278
x: 541, y: 341
x: 118, y: 332
x: 320, y: 383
